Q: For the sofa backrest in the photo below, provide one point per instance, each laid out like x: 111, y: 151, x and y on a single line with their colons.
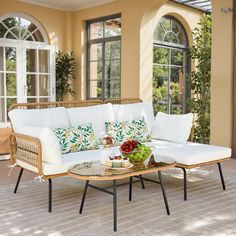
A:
x: 42, y: 115
x: 97, y: 115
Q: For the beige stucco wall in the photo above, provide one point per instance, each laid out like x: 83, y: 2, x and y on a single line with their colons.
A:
x: 132, y: 12
x: 222, y: 74
x: 138, y: 22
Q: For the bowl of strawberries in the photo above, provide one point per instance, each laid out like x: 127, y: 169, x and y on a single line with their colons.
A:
x: 135, y: 151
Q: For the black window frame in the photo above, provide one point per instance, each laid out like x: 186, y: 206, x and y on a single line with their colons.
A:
x: 186, y: 53
x: 102, y: 41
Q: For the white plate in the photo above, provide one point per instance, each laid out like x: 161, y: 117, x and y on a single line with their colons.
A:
x: 120, y: 168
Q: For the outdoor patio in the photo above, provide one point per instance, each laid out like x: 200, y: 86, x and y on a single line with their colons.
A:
x: 209, y: 210
x: 101, y: 94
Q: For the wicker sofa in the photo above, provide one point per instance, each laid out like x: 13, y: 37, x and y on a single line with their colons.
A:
x: 37, y: 153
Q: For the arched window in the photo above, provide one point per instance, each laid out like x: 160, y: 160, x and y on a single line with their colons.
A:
x: 170, y: 65
x: 20, y: 28
x: 27, y: 63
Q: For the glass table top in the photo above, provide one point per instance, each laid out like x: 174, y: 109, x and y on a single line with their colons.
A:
x: 96, y: 170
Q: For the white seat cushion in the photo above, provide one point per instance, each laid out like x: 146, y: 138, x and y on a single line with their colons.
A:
x: 68, y: 161
x: 125, y: 112
x: 97, y: 115
x: 174, y: 128
x: 191, y: 153
x: 51, y: 152
x: 50, y: 117
x: 71, y: 159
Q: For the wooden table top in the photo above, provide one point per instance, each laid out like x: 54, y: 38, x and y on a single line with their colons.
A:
x: 97, y: 171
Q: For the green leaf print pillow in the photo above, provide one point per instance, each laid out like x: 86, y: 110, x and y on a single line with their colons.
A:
x: 77, y: 138
x: 133, y: 129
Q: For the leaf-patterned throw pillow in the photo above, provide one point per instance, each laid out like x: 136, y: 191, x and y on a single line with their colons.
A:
x: 122, y: 131
x: 78, y: 138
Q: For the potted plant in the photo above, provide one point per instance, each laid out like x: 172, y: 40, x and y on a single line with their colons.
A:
x: 65, y: 66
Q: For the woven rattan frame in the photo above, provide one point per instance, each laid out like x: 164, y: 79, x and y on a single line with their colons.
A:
x: 28, y: 149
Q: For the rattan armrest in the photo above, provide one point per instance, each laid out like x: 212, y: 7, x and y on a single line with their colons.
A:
x: 27, y: 149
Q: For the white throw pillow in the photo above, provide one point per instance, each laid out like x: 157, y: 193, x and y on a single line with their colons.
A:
x: 49, y: 117
x: 97, y: 115
x: 51, y: 152
x: 124, y: 112
x: 174, y: 128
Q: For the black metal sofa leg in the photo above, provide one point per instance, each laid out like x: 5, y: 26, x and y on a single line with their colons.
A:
x: 221, y: 176
x: 49, y: 195
x: 18, y: 180
x: 185, y: 184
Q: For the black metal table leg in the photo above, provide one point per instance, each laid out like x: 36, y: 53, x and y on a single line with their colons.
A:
x: 221, y: 176
x: 18, y: 180
x: 185, y: 184
x: 130, y: 188
x: 142, y: 182
x: 49, y: 195
x: 114, y: 206
x: 84, y: 195
x: 164, y: 193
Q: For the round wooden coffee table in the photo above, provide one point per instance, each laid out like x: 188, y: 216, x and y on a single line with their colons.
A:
x: 95, y: 171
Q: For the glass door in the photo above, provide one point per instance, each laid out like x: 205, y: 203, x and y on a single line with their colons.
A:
x: 27, y: 74
x: 8, y: 79
x: 39, y: 86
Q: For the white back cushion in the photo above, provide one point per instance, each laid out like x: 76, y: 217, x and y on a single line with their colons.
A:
x: 125, y: 112
x: 51, y: 152
x: 49, y: 117
x: 174, y: 128
x: 97, y: 115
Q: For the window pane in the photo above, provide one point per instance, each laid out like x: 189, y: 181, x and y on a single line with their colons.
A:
x: 29, y: 100
x: 112, y: 70
x: 112, y: 50
x: 38, y: 37
x: 182, y: 38
x: 112, y: 88
x: 95, y: 89
x: 177, y: 88
x: 96, y: 52
x: 10, y: 59
x: 113, y: 27
x: 175, y: 27
x: 96, y: 70
x: 160, y: 88
x: 159, y: 33
x: 31, y: 85
x: 171, y: 38
x: 11, y: 84
x: 176, y: 57
x: 31, y: 64
x: 96, y: 30
x: 43, y: 61
x: 161, y: 56
x: 44, y: 100
x: 44, y: 85
x: 10, y: 101
x: 11, y: 23
x: 2, y: 93
x: 166, y: 24
x: 3, y: 30
x: 2, y: 110
x: 1, y: 58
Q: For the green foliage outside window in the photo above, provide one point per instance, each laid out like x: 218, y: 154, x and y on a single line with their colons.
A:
x: 200, y: 78
x: 160, y: 81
